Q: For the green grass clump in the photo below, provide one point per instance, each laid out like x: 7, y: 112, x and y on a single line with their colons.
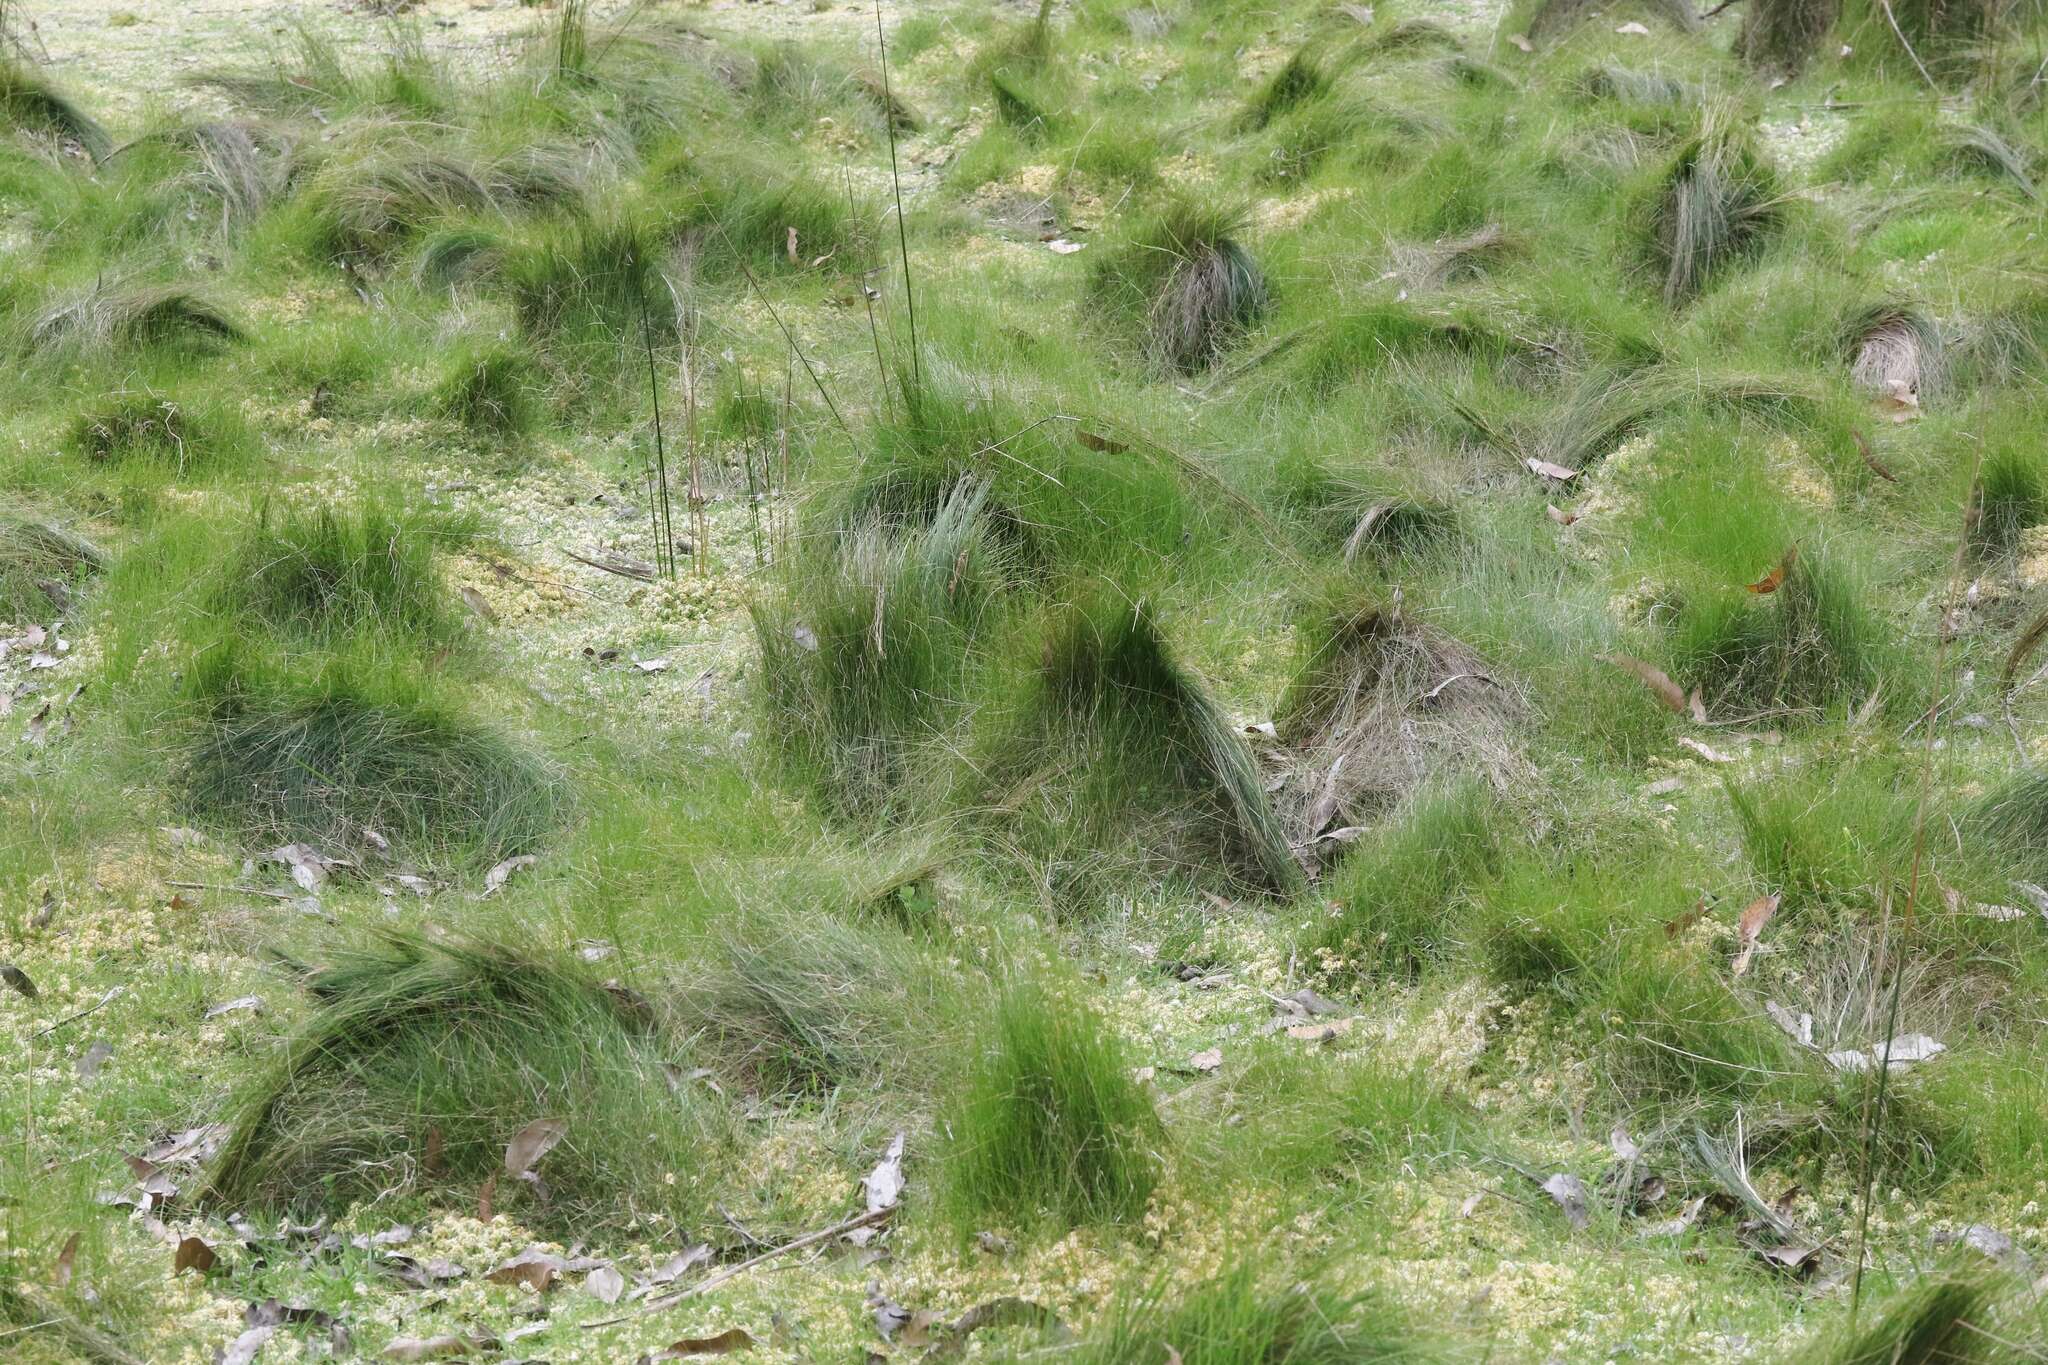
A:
x: 280, y: 751
x: 153, y: 431
x: 1944, y: 1317
x: 1797, y: 650
x: 1717, y: 202
x: 1395, y: 902
x: 41, y: 565
x: 798, y: 1002
x: 864, y: 663
x: 491, y: 390
x: 333, y: 572
x: 28, y: 101
x: 1185, y: 280
x: 2012, y: 495
x: 1300, y: 80
x: 1048, y: 1124
x: 731, y: 209
x: 1248, y: 1315
x: 454, y: 1049
x: 1117, y: 756
x: 587, y: 283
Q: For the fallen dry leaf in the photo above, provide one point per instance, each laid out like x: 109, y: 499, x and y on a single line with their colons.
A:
x: 1570, y: 1193
x: 535, y: 1269
x: 17, y: 978
x: 1063, y: 247
x: 243, y: 1349
x: 1775, y: 579
x: 487, y: 1199
x: 192, y: 1254
x: 1206, y: 1061
x: 1555, y: 472
x: 95, y: 1057
x: 474, y: 600
x: 1101, y: 443
x: 67, y: 1261
x: 1521, y: 43
x: 1755, y: 916
x: 531, y: 1143
x: 724, y: 1344
x: 1679, y: 924
x: 1656, y: 679
x: 1863, y: 449
x: 250, y: 1003
x: 495, y: 879
x: 604, y: 1284
x: 1709, y: 753
x: 426, y: 1348
x: 1559, y: 515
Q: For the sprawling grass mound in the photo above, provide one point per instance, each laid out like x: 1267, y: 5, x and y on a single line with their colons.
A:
x: 334, y: 572
x: 865, y: 663
x: 279, y: 755
x: 420, y: 1063
x: 29, y: 102
x: 1717, y: 203
x: 42, y: 564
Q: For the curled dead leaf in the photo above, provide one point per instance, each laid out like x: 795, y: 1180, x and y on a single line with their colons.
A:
x: 531, y: 1143
x: 1555, y: 472
x: 192, y: 1254
x: 1751, y: 925
x: 1775, y: 579
x: 724, y: 1344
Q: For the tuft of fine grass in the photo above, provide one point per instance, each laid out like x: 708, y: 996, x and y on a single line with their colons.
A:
x: 2012, y: 495
x: 1184, y: 277
x: 1048, y: 1125
x: 1301, y: 80
x: 584, y: 284
x: 420, y: 1062
x: 332, y: 572
x: 1250, y: 1315
x: 491, y: 390
x: 29, y: 102
x: 1942, y: 1318
x: 864, y: 662
x: 1716, y: 204
x: 282, y: 752
x: 1119, y: 754
x: 1784, y: 35
x: 136, y: 431
x: 1897, y: 350
x: 1795, y: 651
x: 41, y: 566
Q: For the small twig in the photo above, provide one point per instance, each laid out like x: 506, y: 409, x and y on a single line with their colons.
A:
x: 238, y: 890
x: 1899, y: 33
x: 623, y: 568
x: 712, y: 1281
x: 74, y: 1018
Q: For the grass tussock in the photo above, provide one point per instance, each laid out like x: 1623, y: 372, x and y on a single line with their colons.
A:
x: 1249, y: 1315
x: 282, y: 752
x: 134, y: 315
x: 42, y: 566
x: 1784, y: 35
x: 1300, y: 80
x: 491, y: 391
x: 1943, y: 1318
x: 589, y: 283
x: 1048, y: 1124
x: 1717, y: 203
x: 332, y: 572
x: 1381, y: 703
x: 29, y: 102
x: 1897, y: 351
x: 420, y: 1062
x: 1118, y: 754
x: 804, y: 1003
x: 1184, y: 277
x: 136, y: 431
x: 864, y: 664
x: 1795, y: 651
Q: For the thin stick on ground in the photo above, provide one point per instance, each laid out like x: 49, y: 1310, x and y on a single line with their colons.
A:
x: 717, y: 1278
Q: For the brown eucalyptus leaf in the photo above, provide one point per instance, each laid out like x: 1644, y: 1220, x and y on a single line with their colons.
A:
x: 1545, y: 468
x: 67, y: 1261
x: 724, y: 1344
x: 192, y: 1254
x: 604, y: 1284
x: 1748, y: 928
x: 17, y: 978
